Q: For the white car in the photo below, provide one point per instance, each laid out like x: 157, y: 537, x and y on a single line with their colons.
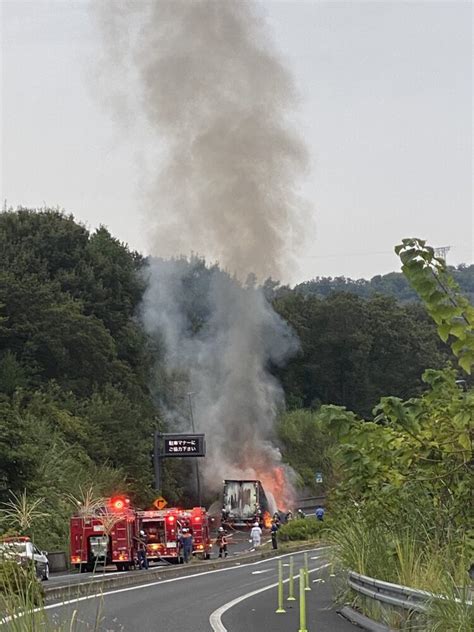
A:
x: 23, y: 551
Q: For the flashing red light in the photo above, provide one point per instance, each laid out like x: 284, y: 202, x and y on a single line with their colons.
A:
x: 197, y: 518
x: 118, y: 503
x: 170, y: 518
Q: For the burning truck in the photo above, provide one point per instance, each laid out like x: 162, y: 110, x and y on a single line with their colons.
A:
x: 245, y: 502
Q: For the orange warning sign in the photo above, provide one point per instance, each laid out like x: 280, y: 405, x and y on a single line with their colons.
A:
x: 160, y: 503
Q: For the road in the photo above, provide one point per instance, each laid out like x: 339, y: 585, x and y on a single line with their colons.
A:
x: 217, y: 600
x: 239, y: 544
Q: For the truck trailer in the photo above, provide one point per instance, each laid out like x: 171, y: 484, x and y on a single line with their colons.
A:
x: 244, y: 502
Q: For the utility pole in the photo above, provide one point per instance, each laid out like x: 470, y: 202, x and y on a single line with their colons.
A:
x: 442, y: 252
x: 157, y: 459
x: 196, y: 464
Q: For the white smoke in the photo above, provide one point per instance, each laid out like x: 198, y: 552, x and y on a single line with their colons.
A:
x: 214, y: 93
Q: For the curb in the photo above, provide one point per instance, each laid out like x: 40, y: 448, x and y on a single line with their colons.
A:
x: 362, y: 621
x: 96, y: 586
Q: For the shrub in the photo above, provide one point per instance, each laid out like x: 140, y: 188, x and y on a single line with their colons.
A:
x: 305, y: 529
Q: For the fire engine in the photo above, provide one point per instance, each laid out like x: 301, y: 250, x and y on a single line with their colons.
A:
x: 106, y: 537
x: 162, y: 528
x: 197, y: 520
x: 111, y: 533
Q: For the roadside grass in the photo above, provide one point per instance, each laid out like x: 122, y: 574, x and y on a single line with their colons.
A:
x: 454, y: 612
x: 22, y: 604
x: 409, y: 557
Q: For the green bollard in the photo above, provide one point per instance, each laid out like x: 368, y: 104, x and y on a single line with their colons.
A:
x: 302, y: 627
x: 291, y: 592
x: 306, y: 573
x: 280, y: 608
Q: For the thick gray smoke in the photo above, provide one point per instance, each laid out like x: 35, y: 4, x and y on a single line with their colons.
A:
x: 216, y: 98
x: 226, y: 363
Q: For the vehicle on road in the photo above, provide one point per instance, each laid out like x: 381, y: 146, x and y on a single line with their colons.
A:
x: 244, y: 503
x: 107, y: 537
x: 198, y: 520
x: 22, y: 550
x: 162, y: 528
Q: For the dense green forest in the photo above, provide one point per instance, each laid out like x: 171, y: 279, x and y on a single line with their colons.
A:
x: 392, y: 284
x: 79, y: 378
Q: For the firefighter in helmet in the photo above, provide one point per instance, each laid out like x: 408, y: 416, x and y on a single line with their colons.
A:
x: 186, y: 541
x: 221, y: 542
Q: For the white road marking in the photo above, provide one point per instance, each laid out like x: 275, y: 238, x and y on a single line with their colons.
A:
x: 150, y: 585
x: 265, y: 570
x: 216, y: 617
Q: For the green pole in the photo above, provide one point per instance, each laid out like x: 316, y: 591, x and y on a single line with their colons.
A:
x: 291, y: 592
x: 280, y: 608
x: 306, y: 573
x: 302, y: 627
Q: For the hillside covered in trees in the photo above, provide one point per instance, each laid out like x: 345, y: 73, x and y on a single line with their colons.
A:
x: 392, y: 284
x: 80, y: 382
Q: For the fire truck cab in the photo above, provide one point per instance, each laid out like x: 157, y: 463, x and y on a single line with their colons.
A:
x: 163, y: 530
x: 107, y: 537
x: 197, y: 520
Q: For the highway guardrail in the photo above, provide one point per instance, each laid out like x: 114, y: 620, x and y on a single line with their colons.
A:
x: 393, y: 594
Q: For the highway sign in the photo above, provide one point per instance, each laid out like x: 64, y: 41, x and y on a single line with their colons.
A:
x: 160, y: 502
x: 183, y: 445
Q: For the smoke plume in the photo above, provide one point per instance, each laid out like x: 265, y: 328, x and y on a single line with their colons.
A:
x: 216, y: 99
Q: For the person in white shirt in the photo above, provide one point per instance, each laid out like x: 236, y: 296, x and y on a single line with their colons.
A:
x: 256, y: 535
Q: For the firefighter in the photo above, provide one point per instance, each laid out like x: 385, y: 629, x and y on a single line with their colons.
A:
x: 255, y: 535
x: 187, y: 544
x: 319, y: 513
x: 274, y: 530
x: 141, y: 542
x: 221, y: 542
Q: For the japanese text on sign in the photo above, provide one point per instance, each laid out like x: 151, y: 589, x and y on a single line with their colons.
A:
x: 184, y: 445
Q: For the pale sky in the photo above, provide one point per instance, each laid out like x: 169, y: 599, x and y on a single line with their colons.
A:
x: 386, y: 111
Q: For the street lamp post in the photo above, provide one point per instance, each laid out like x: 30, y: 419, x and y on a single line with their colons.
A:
x: 196, y: 464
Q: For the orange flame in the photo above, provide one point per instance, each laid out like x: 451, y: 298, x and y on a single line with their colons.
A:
x: 276, y: 482
x: 267, y: 520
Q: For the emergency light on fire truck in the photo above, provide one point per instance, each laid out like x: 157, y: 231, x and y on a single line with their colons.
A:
x: 118, y: 503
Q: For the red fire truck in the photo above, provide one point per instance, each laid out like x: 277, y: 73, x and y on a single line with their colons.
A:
x: 197, y: 520
x: 162, y: 528
x: 107, y: 537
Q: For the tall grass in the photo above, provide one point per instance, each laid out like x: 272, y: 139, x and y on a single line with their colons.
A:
x: 454, y: 611
x: 410, y: 556
x: 22, y: 604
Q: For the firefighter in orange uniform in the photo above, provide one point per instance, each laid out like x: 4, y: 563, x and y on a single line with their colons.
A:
x: 221, y: 542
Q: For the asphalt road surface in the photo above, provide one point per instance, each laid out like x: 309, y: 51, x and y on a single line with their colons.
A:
x: 239, y: 543
x: 241, y: 598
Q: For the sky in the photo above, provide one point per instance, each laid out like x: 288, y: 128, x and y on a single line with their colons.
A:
x: 385, y: 107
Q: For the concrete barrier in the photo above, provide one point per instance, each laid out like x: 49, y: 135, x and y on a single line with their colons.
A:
x: 57, y: 561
